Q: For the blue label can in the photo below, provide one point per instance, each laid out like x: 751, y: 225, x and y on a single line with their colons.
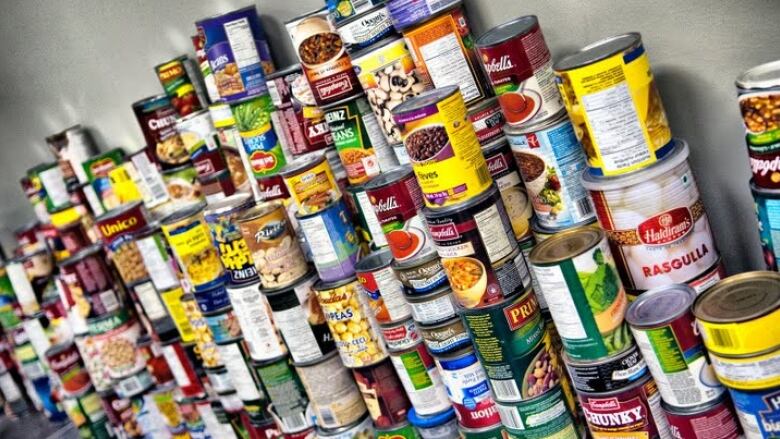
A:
x: 332, y: 239
x: 758, y: 412
x: 768, y: 211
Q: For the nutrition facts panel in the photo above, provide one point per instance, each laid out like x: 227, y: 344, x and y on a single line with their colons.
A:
x: 242, y: 42
x: 448, y: 66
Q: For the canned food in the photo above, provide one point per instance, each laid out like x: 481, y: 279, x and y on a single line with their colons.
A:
x: 223, y: 325
x: 323, y: 56
x: 116, y: 228
x: 74, y: 237
x: 53, y: 184
x: 176, y: 82
x: 219, y: 379
x: 236, y: 360
x: 222, y: 219
x: 753, y: 372
x: 478, y: 250
x: 384, y: 292
x: 611, y: 373
x: 196, y: 131
x: 736, y: 310
x: 253, y: 313
x: 767, y: 204
x: 421, y: 379
x: 545, y: 416
x: 664, y: 329
x: 445, y: 337
x: 157, y: 119
x: 656, y: 220
x: 285, y: 392
x: 367, y: 223
x: 311, y: 183
x: 146, y: 295
x: 399, y: 335
x: 467, y: 387
x: 435, y: 307
x: 182, y: 368
x: 64, y: 360
x: 192, y: 244
x: 299, y: 317
x: 339, y: 403
x: 273, y: 245
x: 757, y: 412
x: 89, y: 349
x: 261, y: 144
x: 421, y: 275
x: 82, y: 275
x: 332, y: 240
x: 551, y: 162
x: 171, y: 298
x: 488, y: 121
x: 343, y: 306
x: 363, y: 30
x: 497, y: 432
x: 387, y: 73
x: 503, y: 168
x: 453, y: 63
x: 237, y: 52
x: 765, y: 164
x: 204, y: 339
x: 360, y: 429
x: 157, y: 257
x: 214, y: 299
x: 23, y: 289
x: 758, y: 98
x: 519, y: 67
x: 442, y: 425
x: 383, y: 393
x: 442, y: 147
x: 717, y: 415
x: 617, y: 137
x: 114, y: 337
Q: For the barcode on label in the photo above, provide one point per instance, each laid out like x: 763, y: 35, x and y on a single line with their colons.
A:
x: 584, y: 206
x: 505, y: 390
x: 153, y: 182
x: 483, y: 174
x: 510, y: 418
x: 294, y: 422
x: 721, y: 337
x: 130, y: 386
x: 327, y: 416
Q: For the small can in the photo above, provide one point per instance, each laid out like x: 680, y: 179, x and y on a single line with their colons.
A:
x: 182, y: 368
x: 285, y: 392
x: 488, y: 120
x: 223, y: 325
x: 503, y: 168
x: 93, y: 361
x: 442, y: 147
x: 213, y: 299
x: 634, y: 409
x: 236, y: 360
x: 732, y: 314
x: 627, y: 130
x: 261, y: 144
x: 311, y: 183
x: 272, y: 243
x: 157, y: 258
x: 435, y: 307
x: 519, y: 67
x: 362, y: 428
x: 356, y: 338
x: 587, y: 315
x: 403, y: 430
x: 253, y: 313
x: 65, y: 361
x: 421, y: 276
x: 367, y: 223
x: 446, y: 337
x: 116, y: 228
x: 400, y: 335
x: 178, y: 86
x: 608, y: 374
x: 157, y: 119
x: 383, y: 393
x: 541, y: 417
x: 757, y: 89
x: 748, y: 372
x: 421, y: 380
x: 299, y: 317
x: 384, y: 292
x: 442, y: 425
x: 455, y: 63
x: 665, y: 331
x: 467, y: 387
x: 717, y: 415
x: 551, y: 162
x: 339, y: 403
x: 363, y: 30
x: 478, y: 250
x: 191, y: 242
x: 758, y: 412
x: 332, y: 240
x: 397, y: 200
x: 323, y: 56
x: 222, y: 218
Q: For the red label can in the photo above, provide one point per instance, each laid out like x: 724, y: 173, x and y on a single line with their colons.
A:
x: 711, y: 421
x: 65, y: 361
x: 383, y: 393
x: 467, y: 388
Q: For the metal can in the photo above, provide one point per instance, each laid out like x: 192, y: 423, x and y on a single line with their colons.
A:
x: 157, y: 119
x: 588, y: 315
x: 114, y: 337
x: 541, y: 417
x: 421, y: 380
x: 442, y: 425
x: 64, y: 360
x: 343, y: 306
x: 435, y: 307
x: 53, y: 183
x: 442, y: 147
x: 323, y: 56
x: 116, y: 228
x: 757, y: 88
x: 197, y: 133
x: 551, y: 162
x: 332, y: 240
x: 445, y: 337
x: 478, y: 250
x: 178, y: 86
x: 399, y: 335
x: 503, y: 168
x: 253, y: 313
x: 261, y: 144
x: 757, y: 412
x: 665, y: 331
x: 634, y: 409
x: 298, y: 316
x: 222, y: 219
x: 273, y: 245
x: 388, y: 75
x: 467, y: 387
x: 223, y: 325
x: 360, y: 429
x: 311, y: 183
x: 192, y: 244
x: 182, y: 368
x: 767, y: 203
x: 363, y: 30
x: 422, y: 275
x: 339, y: 403
x: 157, y: 257
x: 383, y: 393
x: 608, y: 374
x: 219, y: 379
x: 738, y: 316
x: 72, y: 147
x: 367, y: 223
x: 627, y: 129
x: 765, y: 164
x: 718, y: 416
x: 285, y: 392
x: 235, y: 357
x: 384, y: 292
x: 488, y: 120
x: 82, y: 275
x: 145, y: 294
x: 497, y: 432
x: 454, y: 63
x: 748, y: 372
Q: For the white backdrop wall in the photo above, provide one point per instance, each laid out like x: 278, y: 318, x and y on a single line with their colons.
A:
x: 86, y: 61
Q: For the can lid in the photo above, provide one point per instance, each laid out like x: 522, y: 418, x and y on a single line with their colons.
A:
x: 430, y: 421
x: 765, y: 75
x: 424, y: 99
x: 302, y: 163
x: 740, y: 298
x: 660, y: 305
x: 678, y: 155
x: 510, y: 29
x: 566, y: 245
x: 322, y: 285
x: 598, y: 51
x: 259, y: 210
x: 375, y: 260
x: 239, y: 200
x: 388, y: 178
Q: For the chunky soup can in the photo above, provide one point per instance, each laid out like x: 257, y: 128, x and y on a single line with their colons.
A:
x: 157, y: 119
x: 505, y: 172
x: 582, y: 289
x: 519, y: 67
x: 442, y: 146
x: 384, y: 292
x: 332, y: 240
x: 656, y: 222
x: 759, y: 97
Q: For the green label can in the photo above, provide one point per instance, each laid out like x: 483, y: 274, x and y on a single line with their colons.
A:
x: 400, y: 431
x: 286, y: 392
x: 539, y: 418
x: 494, y: 432
x: 261, y: 144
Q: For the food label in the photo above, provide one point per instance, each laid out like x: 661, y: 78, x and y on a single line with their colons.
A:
x: 384, y: 295
x: 718, y: 420
x: 356, y: 134
x: 422, y: 381
x: 378, y: 239
x: 172, y: 300
x: 178, y: 86
x: 118, y: 350
x: 636, y: 410
x: 610, y: 375
x: 434, y: 310
x: 445, y: 339
x: 758, y: 412
x: 191, y: 242
x: 503, y: 169
x: 157, y: 118
x: 286, y: 394
x: 234, y: 362
x: 254, y: 317
x: 150, y: 301
x: 545, y: 417
x: 371, y: 27
x: 467, y: 387
x: 400, y: 336
x: 314, y: 188
x: 261, y: 144
x: 332, y: 240
x: 337, y: 404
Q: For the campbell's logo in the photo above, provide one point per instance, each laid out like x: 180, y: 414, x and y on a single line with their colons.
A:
x: 604, y: 405
x: 118, y: 226
x: 64, y: 360
x: 271, y: 192
x: 385, y: 205
x: 173, y: 71
x: 521, y: 312
x: 262, y: 161
x: 533, y: 141
x: 497, y: 164
x: 763, y: 167
x: 666, y: 227
x: 444, y: 232
x: 100, y: 168
x: 493, y: 65
x: 334, y: 88
x: 157, y: 124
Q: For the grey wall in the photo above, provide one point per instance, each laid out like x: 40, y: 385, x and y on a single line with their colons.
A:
x: 86, y: 61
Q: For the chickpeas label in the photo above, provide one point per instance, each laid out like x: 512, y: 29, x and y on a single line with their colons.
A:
x: 191, y: 242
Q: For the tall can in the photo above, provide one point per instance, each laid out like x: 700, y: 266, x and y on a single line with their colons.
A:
x: 332, y: 240
x: 384, y: 292
x: 116, y: 228
x: 610, y: 94
x: 718, y: 416
x: 421, y: 379
x: 311, y: 182
x: 579, y: 281
x: 503, y: 168
x: 467, y: 387
x: 176, y: 82
x: 253, y: 313
x: 222, y: 219
x: 260, y: 142
x: 665, y: 331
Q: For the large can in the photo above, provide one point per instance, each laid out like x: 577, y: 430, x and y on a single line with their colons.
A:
x: 467, y: 387
x: 116, y: 228
x: 285, y: 392
x: 519, y: 67
x: 383, y: 393
x: 758, y: 412
x: 442, y: 146
x: 665, y: 331
x: 157, y: 119
x: 345, y: 310
x: 543, y: 417
x: 221, y: 217
x: 311, y: 182
x: 715, y: 420
x: 192, y: 244
x: 503, y: 168
x: 551, y: 163
x: 323, y: 56
x: 443, y: 49
x: 338, y: 403
x: 114, y: 337
x: 332, y: 240
x: 384, y: 292
x: 611, y: 97
x: 767, y: 202
x: 176, y: 82
x: 421, y: 380
x: 584, y: 294
x: 261, y: 144
x: 758, y: 102
x: 478, y: 250
x: 253, y: 313
x: 238, y: 52
x: 656, y: 222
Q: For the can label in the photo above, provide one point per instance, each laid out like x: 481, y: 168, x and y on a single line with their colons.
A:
x: 368, y: 219
x: 384, y: 295
x: 758, y: 412
x: 178, y: 86
x: 544, y: 417
x: 400, y: 336
x: 261, y: 144
x: 373, y: 26
x: 407, y: 12
x: 314, y: 188
x: 172, y: 300
x: 286, y: 394
x: 467, y: 387
x: 434, y: 310
x: 383, y: 393
x: 488, y: 122
x: 445, y: 338
x: 768, y: 211
x: 116, y: 336
x: 233, y: 249
x: 254, y: 316
x: 339, y: 403
x: 611, y: 374
x: 204, y: 339
x: 332, y: 240
x: 191, y: 242
x: 719, y: 419
x: 636, y: 410
x: 224, y: 326
x: 503, y: 168
x: 748, y: 373
x: 158, y: 262
x: 422, y: 380
x: 233, y: 358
